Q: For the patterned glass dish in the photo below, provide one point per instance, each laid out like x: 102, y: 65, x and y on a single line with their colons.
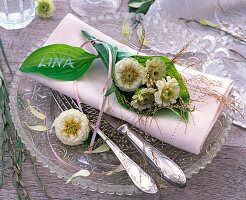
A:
x: 24, y: 89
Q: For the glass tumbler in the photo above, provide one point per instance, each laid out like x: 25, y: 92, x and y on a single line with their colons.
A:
x: 16, y: 14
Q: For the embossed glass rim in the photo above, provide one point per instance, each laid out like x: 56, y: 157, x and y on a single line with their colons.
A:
x: 84, y: 183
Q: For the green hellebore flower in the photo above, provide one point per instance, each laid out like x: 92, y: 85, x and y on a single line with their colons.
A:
x: 44, y: 8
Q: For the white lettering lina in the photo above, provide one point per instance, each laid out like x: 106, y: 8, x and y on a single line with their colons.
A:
x: 57, y: 61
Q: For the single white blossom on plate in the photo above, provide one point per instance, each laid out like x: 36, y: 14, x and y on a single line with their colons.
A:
x: 155, y: 70
x: 128, y: 74
x: 143, y: 98
x: 44, y: 8
x: 168, y: 92
x: 72, y: 127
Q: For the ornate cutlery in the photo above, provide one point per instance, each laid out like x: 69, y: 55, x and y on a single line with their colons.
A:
x: 139, y: 177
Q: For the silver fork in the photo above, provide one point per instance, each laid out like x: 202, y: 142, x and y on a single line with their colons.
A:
x: 139, y: 177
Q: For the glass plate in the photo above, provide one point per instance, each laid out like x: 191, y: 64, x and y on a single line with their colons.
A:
x: 36, y: 142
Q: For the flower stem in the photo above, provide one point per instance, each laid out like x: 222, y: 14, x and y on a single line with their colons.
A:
x: 219, y: 29
x: 10, y: 137
x: 234, y: 51
x: 5, y: 57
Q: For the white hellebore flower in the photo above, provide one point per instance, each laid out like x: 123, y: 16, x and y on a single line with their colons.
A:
x: 128, y: 74
x: 155, y: 70
x: 143, y: 98
x: 168, y: 92
x: 72, y: 127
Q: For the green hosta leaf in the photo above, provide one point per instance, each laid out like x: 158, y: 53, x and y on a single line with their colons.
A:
x: 117, y: 53
x: 102, y: 50
x: 103, y: 148
x: 59, y: 61
x: 139, y: 6
x: 82, y: 172
x: 205, y: 22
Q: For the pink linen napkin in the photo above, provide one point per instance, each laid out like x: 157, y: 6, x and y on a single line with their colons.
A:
x: 168, y: 128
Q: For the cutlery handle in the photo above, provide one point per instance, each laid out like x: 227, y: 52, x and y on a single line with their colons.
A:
x: 139, y: 177
x: 165, y: 167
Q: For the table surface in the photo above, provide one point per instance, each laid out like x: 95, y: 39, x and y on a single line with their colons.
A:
x: 224, y: 178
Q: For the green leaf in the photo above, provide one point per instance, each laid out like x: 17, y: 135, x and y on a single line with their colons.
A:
x: 82, y: 172
x: 139, y: 6
x: 117, y: 53
x: 205, y: 22
x: 111, y: 90
x: 181, y: 115
x: 131, y: 9
x: 102, y: 50
x: 103, y: 148
x: 87, y: 142
x: 117, y: 169
x: 37, y: 128
x: 126, y: 28
x: 59, y: 61
x: 135, y: 4
x: 124, y: 99
x: 121, y: 54
x: 35, y: 112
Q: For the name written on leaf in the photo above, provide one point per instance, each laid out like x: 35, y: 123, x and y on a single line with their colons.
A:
x: 53, y: 62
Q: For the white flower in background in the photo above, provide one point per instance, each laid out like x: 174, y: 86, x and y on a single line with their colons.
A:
x: 155, y: 70
x: 128, y: 74
x: 168, y: 92
x: 143, y: 98
x: 72, y: 127
x: 44, y: 8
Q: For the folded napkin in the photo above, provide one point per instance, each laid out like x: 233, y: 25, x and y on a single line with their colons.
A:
x: 168, y: 128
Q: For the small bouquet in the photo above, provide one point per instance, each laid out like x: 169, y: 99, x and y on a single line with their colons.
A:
x: 143, y: 84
